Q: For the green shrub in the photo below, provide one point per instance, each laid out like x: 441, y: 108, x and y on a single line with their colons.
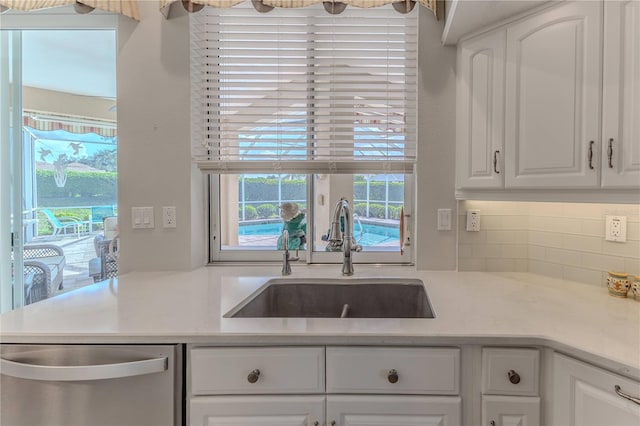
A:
x: 376, y: 211
x: 266, y: 211
x: 360, y: 209
x: 394, y: 212
x: 250, y: 212
x: 81, y: 189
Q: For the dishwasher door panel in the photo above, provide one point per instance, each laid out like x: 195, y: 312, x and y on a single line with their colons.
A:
x: 90, y: 385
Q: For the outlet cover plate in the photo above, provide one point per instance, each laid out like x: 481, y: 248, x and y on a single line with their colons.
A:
x: 616, y: 228
x: 473, y: 220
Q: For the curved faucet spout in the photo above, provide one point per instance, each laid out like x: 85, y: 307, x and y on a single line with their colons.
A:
x: 343, y: 238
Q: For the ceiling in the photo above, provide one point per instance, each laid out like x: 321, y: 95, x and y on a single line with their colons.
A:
x: 81, y: 62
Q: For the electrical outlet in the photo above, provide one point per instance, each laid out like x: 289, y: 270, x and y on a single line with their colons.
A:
x: 473, y: 220
x: 169, y: 217
x: 616, y: 228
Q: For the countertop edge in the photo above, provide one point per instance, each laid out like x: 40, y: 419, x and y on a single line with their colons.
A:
x: 253, y: 340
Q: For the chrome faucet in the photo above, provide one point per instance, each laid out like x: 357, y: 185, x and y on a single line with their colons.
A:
x: 286, y: 258
x: 343, y: 240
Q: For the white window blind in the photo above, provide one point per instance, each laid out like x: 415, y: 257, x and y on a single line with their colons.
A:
x: 303, y: 91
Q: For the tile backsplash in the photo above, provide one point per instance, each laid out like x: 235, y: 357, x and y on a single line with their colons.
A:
x: 561, y: 240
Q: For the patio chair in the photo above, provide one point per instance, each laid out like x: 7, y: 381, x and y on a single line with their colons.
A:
x: 105, y: 265
x: 63, y: 223
x: 43, y: 271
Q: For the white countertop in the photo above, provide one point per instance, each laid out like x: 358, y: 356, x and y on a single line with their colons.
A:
x: 470, y: 307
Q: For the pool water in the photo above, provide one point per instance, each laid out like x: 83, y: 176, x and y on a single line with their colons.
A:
x: 372, y: 235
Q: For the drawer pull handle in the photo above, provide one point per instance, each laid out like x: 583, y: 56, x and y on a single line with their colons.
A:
x: 253, y: 376
x: 393, y: 376
x: 492, y: 423
x: 316, y: 423
x: 625, y: 396
x: 333, y: 423
x: 591, y: 155
x: 495, y: 162
x: 513, y: 377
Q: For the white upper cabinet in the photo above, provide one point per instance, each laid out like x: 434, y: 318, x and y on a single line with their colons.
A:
x: 552, y: 101
x: 553, y: 79
x: 621, y: 97
x: 480, y: 115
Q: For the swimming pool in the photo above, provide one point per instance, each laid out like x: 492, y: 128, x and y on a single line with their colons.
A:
x: 372, y: 235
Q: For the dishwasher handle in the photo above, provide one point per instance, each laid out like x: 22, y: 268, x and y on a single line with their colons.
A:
x: 83, y: 372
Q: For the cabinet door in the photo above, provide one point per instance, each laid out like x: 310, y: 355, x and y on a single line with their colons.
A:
x: 480, y: 111
x: 256, y: 411
x: 553, y: 100
x: 621, y: 98
x: 584, y: 395
x: 510, y: 411
x: 393, y: 411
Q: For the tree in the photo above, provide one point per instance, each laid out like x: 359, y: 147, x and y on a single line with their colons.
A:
x: 105, y: 159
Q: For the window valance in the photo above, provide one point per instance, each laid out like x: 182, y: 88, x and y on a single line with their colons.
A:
x: 330, y: 5
x: 124, y: 7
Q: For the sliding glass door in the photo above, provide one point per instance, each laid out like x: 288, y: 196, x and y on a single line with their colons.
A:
x: 58, y: 157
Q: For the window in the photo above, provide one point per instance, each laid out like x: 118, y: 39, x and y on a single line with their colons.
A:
x: 299, y: 106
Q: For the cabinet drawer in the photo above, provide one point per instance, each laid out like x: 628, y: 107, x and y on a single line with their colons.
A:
x: 371, y: 370
x: 510, y: 371
x: 218, y: 371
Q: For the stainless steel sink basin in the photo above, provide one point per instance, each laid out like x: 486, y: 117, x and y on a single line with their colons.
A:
x: 336, y: 298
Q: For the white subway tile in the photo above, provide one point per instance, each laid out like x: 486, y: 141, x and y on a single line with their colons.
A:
x: 503, y: 222
x: 511, y: 237
x: 587, y: 276
x: 537, y: 252
x: 633, y: 231
x: 582, y: 243
x: 592, y: 227
x: 626, y: 249
x: 467, y: 237
x: 564, y: 257
x: 464, y: 250
x: 504, y: 265
x: 545, y: 268
x: 602, y: 262
x: 515, y: 251
x: 486, y: 250
x: 632, y: 266
x: 547, y: 239
x: 472, y: 265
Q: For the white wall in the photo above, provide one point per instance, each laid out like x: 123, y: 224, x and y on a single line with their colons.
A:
x: 154, y: 154
x: 435, y: 249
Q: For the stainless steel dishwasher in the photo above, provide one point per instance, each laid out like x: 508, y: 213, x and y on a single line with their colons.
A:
x: 90, y: 385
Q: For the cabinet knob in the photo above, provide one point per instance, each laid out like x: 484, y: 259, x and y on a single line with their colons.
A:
x: 513, y: 377
x: 333, y: 423
x: 393, y: 376
x: 253, y: 376
x: 492, y: 423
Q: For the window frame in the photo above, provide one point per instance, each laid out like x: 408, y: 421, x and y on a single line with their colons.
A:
x: 309, y: 256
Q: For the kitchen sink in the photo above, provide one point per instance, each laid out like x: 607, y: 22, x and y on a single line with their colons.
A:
x: 337, y: 298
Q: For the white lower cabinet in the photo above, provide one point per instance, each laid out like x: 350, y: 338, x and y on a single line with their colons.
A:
x: 392, y: 410
x: 365, y: 386
x: 584, y: 395
x: 257, y: 410
x: 510, y: 410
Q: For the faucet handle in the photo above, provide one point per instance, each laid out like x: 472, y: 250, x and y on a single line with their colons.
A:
x: 294, y: 258
x: 356, y: 248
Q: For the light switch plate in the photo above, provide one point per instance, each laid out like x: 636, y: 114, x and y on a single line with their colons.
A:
x: 142, y: 218
x: 444, y: 219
